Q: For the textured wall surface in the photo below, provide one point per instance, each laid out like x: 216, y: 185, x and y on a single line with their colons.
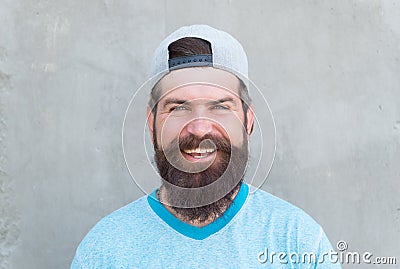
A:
x: 330, y: 70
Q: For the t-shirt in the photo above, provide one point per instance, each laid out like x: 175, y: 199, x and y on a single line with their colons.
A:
x: 258, y: 230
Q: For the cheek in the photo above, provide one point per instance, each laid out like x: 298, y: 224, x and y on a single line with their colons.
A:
x: 167, y: 129
x: 234, y: 130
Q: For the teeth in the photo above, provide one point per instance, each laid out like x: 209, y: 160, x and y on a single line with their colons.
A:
x: 199, y: 151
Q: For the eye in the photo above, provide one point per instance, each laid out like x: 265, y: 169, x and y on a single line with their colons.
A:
x: 178, y: 108
x: 220, y: 107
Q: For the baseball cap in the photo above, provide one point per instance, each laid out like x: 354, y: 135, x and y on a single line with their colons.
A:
x: 226, y: 53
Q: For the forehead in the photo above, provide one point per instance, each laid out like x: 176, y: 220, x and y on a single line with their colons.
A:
x: 199, y: 82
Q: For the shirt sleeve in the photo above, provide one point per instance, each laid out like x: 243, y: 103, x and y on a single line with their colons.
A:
x: 76, y: 264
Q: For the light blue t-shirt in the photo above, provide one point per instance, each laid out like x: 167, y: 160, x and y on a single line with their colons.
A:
x: 253, y: 233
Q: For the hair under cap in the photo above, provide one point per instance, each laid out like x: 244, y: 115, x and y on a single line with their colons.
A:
x: 227, y: 53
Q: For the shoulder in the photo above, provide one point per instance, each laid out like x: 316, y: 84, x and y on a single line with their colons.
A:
x: 284, y: 225
x: 281, y: 215
x: 124, y: 214
x: 125, y: 218
x: 113, y: 233
x: 265, y: 201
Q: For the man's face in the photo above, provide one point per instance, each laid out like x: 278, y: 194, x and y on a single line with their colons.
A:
x: 200, y: 101
x: 199, y: 125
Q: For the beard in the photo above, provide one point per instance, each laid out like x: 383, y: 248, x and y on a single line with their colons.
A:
x: 225, y: 173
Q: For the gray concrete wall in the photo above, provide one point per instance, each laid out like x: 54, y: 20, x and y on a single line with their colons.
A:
x: 330, y: 70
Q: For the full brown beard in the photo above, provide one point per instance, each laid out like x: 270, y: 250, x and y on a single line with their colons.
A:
x: 231, y: 176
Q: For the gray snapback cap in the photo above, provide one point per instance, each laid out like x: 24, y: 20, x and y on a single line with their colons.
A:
x: 227, y: 53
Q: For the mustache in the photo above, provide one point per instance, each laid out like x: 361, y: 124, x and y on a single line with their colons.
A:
x: 207, y: 141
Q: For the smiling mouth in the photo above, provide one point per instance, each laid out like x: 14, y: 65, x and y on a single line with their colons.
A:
x: 199, y: 153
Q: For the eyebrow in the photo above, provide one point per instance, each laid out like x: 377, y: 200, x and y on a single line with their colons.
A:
x: 223, y: 100
x: 181, y: 101
x: 174, y: 101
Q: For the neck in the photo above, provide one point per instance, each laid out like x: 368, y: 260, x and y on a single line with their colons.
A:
x: 162, y: 195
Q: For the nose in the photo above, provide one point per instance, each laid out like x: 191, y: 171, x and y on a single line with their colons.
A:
x: 199, y: 127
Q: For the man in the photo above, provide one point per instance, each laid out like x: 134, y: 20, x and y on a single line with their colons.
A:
x: 203, y: 215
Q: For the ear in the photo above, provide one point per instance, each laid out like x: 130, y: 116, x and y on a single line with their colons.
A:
x: 250, y: 121
x: 150, y: 122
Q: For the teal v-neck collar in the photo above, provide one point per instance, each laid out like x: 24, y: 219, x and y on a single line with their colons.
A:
x: 194, y: 232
